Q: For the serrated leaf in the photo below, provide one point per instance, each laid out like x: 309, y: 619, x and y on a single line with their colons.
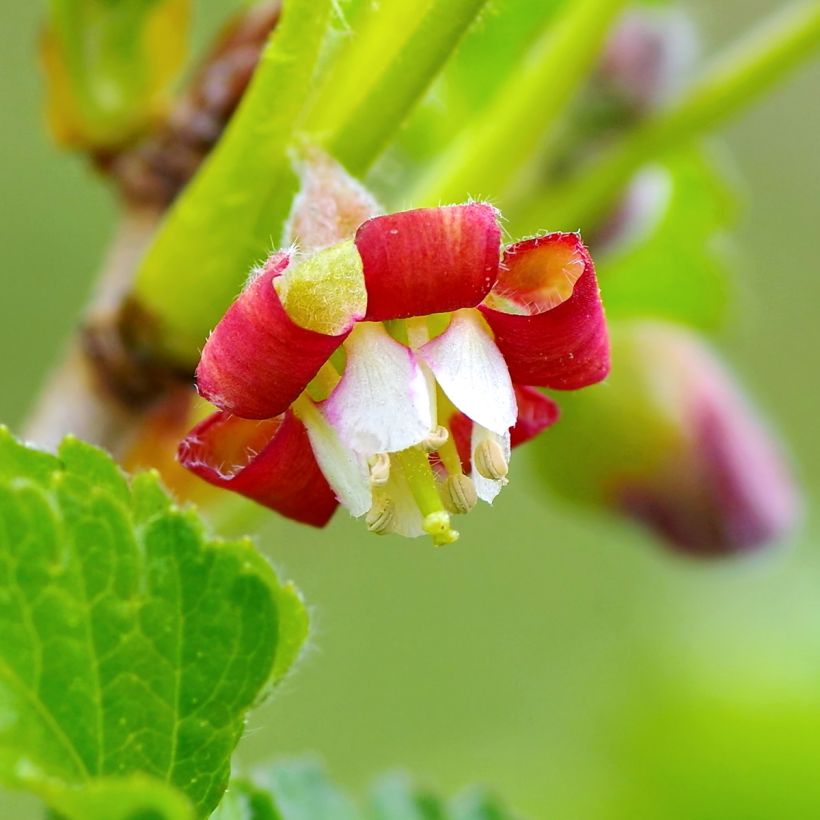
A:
x: 679, y: 270
x: 132, y: 642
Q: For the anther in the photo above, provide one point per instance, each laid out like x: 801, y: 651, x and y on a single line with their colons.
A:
x: 436, y: 440
x: 379, y: 469
x: 489, y: 460
x: 380, y: 516
x: 459, y: 494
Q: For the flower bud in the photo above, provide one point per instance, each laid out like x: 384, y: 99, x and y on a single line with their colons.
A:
x: 647, y: 59
x: 154, y: 171
x: 109, y: 67
x: 677, y: 446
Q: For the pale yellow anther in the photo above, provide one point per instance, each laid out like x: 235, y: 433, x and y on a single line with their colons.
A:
x: 459, y: 494
x: 436, y: 440
x: 437, y: 525
x: 381, y: 515
x: 489, y: 460
x: 379, y: 469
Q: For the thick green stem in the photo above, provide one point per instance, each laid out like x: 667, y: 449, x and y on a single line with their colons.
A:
x: 733, y: 82
x: 382, y: 72
x: 232, y: 212
x: 491, y: 150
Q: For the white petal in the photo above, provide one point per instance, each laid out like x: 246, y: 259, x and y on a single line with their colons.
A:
x: 346, y: 472
x: 382, y: 403
x: 486, y: 488
x: 472, y: 372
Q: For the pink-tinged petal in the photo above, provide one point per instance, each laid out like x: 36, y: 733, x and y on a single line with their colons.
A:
x: 536, y: 412
x: 563, y: 347
x: 431, y: 260
x: 382, y: 403
x: 472, y: 372
x: 257, y: 360
x: 345, y: 471
x: 270, y: 462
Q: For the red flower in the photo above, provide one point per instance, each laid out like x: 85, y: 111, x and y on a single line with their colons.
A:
x: 340, y: 375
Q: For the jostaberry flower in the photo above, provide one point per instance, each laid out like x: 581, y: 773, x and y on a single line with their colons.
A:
x: 392, y: 372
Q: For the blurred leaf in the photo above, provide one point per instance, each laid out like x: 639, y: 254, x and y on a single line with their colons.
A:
x: 301, y: 790
x: 132, y: 643
x: 109, y: 66
x: 680, y: 270
x: 395, y: 797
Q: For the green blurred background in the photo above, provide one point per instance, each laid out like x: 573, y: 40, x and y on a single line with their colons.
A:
x: 565, y: 660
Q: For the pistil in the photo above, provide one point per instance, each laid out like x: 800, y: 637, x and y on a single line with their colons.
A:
x: 416, y: 469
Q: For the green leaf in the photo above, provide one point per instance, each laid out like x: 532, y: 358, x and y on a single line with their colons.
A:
x: 132, y: 642
x: 301, y: 790
x: 680, y: 270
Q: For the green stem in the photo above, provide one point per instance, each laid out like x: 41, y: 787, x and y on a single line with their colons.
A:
x: 232, y: 212
x: 382, y: 72
x: 491, y: 150
x: 740, y: 76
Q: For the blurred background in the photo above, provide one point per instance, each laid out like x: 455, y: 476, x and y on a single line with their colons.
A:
x: 563, y: 659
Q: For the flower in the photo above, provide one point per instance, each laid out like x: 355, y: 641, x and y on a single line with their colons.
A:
x: 680, y: 447
x: 393, y: 372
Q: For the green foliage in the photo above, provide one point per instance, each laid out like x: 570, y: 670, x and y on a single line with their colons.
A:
x: 301, y: 790
x: 133, y: 644
x: 679, y: 269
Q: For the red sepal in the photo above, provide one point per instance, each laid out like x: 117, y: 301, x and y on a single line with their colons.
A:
x: 257, y: 361
x: 431, y: 260
x: 564, y: 347
x: 270, y: 462
x: 536, y: 412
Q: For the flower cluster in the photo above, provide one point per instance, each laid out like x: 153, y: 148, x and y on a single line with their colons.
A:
x: 393, y: 372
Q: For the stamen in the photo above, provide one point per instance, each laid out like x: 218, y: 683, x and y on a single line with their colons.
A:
x: 381, y: 515
x: 489, y: 460
x: 379, y: 469
x: 459, y: 494
x: 436, y: 440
